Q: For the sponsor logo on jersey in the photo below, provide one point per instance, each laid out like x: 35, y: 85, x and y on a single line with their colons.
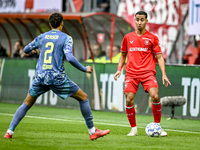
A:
x: 131, y: 42
x: 45, y: 66
x: 138, y: 49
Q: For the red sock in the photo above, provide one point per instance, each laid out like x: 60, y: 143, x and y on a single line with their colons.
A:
x: 156, y: 109
x: 130, y: 111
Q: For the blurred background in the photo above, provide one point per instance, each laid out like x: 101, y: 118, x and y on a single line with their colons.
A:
x: 104, y: 22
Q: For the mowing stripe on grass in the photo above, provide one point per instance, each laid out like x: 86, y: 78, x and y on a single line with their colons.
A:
x: 45, y: 118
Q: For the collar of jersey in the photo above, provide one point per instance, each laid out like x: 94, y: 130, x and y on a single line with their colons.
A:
x: 55, y: 29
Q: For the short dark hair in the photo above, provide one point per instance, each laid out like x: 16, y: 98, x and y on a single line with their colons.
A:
x: 142, y: 13
x: 55, y: 20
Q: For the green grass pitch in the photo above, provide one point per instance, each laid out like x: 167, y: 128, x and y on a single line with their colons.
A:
x: 49, y: 128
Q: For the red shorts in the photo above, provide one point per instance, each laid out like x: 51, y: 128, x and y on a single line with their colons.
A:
x: 132, y: 84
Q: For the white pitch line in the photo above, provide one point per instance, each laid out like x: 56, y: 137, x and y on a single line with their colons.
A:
x: 111, y: 124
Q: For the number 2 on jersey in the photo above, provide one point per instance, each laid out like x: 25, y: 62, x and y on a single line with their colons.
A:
x: 48, y: 51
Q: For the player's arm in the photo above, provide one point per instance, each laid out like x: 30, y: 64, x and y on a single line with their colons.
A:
x: 30, y: 48
x: 72, y: 60
x: 161, y: 63
x: 122, y: 60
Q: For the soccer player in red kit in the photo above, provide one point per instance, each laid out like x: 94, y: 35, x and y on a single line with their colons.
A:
x: 142, y: 49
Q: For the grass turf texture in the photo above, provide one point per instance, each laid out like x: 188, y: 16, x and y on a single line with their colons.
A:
x: 57, y: 128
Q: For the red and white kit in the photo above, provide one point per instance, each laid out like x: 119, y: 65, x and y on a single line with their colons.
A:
x: 141, y: 61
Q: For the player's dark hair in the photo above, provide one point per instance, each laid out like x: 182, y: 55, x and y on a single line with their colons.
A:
x: 142, y: 13
x: 55, y: 20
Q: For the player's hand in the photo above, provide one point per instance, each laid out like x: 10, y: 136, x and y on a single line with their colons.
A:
x: 165, y: 80
x: 117, y: 75
x: 89, y: 69
x: 33, y: 52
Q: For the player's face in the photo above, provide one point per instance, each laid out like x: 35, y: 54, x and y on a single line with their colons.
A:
x: 140, y: 22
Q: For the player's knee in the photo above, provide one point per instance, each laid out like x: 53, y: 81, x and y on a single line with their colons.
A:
x: 82, y: 97
x: 85, y: 96
x: 155, y: 98
x: 29, y: 100
x: 129, y: 101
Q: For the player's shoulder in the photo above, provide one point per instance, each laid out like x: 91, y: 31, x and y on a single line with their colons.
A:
x: 152, y: 35
x: 62, y: 33
x: 65, y: 36
x: 69, y: 38
x: 43, y: 35
x: 129, y: 34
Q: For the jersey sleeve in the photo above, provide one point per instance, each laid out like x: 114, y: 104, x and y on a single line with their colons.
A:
x: 124, y: 45
x: 32, y: 46
x: 70, y: 57
x: 156, y: 47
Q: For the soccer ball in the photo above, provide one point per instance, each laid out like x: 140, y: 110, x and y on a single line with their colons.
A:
x: 153, y: 129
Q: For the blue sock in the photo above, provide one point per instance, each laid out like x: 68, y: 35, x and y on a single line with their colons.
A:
x: 20, y: 113
x: 87, y: 113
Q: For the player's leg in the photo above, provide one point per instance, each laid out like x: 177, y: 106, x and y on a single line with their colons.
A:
x: 87, y: 114
x: 150, y: 85
x: 70, y: 89
x: 34, y: 91
x: 130, y: 88
x: 156, y: 107
x: 85, y: 109
x: 19, y: 115
x: 130, y: 111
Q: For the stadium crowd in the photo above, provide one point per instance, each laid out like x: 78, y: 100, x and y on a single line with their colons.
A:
x: 99, y: 55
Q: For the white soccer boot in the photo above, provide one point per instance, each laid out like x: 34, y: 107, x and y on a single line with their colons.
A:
x: 163, y: 133
x: 133, y: 132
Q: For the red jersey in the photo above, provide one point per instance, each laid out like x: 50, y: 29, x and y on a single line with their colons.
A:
x: 141, y: 51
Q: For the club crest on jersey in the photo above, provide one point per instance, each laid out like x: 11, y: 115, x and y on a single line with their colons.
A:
x: 146, y: 42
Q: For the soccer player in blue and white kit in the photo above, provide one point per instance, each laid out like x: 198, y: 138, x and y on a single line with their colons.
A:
x: 54, y: 45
